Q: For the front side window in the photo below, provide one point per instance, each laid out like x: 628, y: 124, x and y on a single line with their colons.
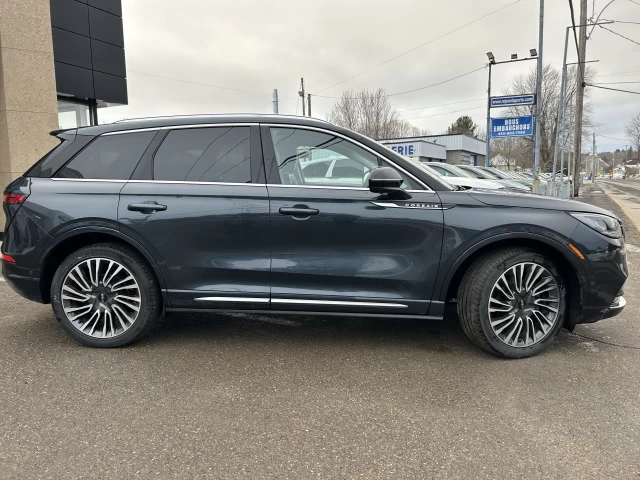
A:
x: 218, y: 154
x: 307, y: 157
x: 109, y: 157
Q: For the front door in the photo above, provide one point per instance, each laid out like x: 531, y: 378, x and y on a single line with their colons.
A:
x: 336, y: 246
x: 203, y: 214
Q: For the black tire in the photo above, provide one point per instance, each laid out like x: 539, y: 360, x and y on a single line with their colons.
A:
x: 475, y: 290
x: 150, y: 310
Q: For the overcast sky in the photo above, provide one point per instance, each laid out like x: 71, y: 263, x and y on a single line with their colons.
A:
x: 258, y: 45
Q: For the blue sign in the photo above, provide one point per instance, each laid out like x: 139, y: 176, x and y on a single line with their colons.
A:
x: 513, y: 100
x: 403, y: 149
x: 512, y: 127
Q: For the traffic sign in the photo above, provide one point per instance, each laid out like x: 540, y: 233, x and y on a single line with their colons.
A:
x: 513, y: 100
x: 512, y: 127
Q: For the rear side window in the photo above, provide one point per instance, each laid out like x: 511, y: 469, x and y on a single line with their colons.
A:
x: 111, y: 157
x: 218, y: 154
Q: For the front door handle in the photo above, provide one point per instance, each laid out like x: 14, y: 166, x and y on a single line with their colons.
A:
x: 146, y: 207
x: 299, y: 212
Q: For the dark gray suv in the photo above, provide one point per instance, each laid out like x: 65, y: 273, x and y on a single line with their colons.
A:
x: 121, y: 223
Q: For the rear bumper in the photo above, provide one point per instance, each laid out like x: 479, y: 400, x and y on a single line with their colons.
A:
x: 27, y: 287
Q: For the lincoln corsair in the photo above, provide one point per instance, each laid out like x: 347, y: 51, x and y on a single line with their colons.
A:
x: 120, y: 224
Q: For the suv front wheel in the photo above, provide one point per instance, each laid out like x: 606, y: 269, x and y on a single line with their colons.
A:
x: 511, y: 302
x: 106, y: 295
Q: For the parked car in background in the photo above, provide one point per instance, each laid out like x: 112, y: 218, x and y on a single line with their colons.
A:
x: 461, y: 180
x: 477, y: 172
x: 124, y: 222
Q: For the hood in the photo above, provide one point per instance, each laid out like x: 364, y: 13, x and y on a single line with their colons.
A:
x: 521, y: 200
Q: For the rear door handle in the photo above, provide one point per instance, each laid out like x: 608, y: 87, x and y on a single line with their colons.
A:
x: 299, y: 211
x: 146, y: 207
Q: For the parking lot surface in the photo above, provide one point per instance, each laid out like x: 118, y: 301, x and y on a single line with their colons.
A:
x: 237, y: 396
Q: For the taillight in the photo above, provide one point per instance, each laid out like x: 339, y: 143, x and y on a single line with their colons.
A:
x: 8, y: 258
x: 13, y: 198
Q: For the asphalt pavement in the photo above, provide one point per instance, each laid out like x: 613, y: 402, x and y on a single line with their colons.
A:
x: 237, y: 396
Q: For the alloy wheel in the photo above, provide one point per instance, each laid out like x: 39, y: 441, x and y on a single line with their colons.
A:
x: 101, y: 297
x: 524, y: 305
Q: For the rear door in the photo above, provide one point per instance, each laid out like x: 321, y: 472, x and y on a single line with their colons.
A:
x: 198, y: 203
x: 336, y: 245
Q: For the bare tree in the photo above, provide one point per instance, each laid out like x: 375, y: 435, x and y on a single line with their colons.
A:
x: 551, y: 79
x: 632, y: 130
x: 370, y: 113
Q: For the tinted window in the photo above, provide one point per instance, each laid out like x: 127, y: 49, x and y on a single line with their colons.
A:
x: 220, y: 154
x: 307, y: 157
x: 108, y: 157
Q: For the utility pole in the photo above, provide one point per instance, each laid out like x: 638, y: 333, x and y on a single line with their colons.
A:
x: 593, y: 178
x: 582, y: 55
x: 536, y: 157
x: 570, y: 147
x: 301, y: 93
x: 560, y: 120
x: 309, y: 103
x: 275, y: 100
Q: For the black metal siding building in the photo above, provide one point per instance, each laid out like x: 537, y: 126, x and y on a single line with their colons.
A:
x: 89, y: 56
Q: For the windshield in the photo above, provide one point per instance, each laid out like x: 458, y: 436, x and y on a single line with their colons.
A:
x: 490, y: 174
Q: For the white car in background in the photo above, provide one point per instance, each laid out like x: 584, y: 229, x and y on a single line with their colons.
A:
x: 459, y: 179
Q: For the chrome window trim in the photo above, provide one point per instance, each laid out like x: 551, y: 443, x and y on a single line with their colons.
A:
x: 180, y: 127
x: 233, y: 299
x: 331, y: 132
x: 187, y: 182
x: 110, y: 180
x: 337, y: 302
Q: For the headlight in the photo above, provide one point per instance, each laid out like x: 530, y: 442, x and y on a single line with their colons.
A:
x: 603, y: 224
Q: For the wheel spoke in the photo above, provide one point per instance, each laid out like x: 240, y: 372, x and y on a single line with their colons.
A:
x: 84, y: 285
x: 128, y: 302
x: 75, y: 296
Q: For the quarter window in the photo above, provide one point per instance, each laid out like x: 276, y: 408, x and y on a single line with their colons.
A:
x: 110, y: 157
x: 220, y: 154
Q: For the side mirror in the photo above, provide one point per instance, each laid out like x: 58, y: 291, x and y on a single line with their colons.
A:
x: 387, y: 180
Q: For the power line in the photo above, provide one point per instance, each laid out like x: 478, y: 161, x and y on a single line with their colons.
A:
x: 415, y: 89
x: 633, y: 1
x: 620, y: 35
x: 615, y: 83
x: 622, y: 21
x: 441, y: 105
x: 610, y: 138
x: 201, y: 84
x: 416, y: 48
x: 446, y: 113
x: 613, y: 89
x: 617, y: 74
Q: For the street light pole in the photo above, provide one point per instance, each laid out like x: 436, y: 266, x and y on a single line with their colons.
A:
x: 488, y: 152
x: 536, y: 157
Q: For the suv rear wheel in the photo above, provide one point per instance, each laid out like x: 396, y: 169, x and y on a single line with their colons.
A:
x: 105, y: 295
x: 512, y: 302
